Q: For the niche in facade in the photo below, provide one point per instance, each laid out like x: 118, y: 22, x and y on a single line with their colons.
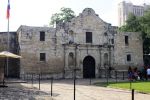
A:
x: 105, y: 34
x: 106, y: 59
x: 71, y: 59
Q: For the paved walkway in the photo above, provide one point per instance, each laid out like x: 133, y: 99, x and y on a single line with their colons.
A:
x: 63, y: 90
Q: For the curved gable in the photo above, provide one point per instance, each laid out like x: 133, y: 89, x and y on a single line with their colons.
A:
x: 88, y: 19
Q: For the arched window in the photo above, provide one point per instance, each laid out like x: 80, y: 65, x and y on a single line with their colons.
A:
x: 70, y: 59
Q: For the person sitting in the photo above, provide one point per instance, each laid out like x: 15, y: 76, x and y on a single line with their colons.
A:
x: 135, y: 73
x: 140, y: 77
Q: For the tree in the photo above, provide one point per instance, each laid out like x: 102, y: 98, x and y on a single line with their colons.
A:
x: 145, y: 29
x: 131, y: 22
x: 145, y: 23
x: 142, y: 25
x: 65, y: 15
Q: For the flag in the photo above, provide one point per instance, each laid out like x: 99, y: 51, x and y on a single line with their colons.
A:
x: 8, y: 10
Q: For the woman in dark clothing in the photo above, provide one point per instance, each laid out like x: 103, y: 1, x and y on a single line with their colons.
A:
x: 144, y: 72
x: 130, y: 73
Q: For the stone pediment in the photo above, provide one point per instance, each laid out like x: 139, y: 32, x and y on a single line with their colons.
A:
x: 88, y: 19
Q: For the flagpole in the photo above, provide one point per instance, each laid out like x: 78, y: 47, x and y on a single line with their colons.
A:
x: 7, y: 72
x: 8, y: 15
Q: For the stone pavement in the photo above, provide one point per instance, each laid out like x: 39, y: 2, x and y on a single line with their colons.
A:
x: 63, y: 90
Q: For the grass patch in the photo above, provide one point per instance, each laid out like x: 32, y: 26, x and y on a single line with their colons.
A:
x: 143, y: 87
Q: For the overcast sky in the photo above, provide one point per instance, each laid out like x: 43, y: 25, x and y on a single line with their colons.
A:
x: 38, y: 12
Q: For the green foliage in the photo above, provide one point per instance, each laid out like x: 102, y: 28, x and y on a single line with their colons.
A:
x: 145, y: 23
x: 131, y: 22
x: 55, y: 18
x: 146, y: 45
x: 65, y: 15
x: 145, y: 28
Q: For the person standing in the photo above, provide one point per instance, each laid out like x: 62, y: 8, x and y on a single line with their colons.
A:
x: 144, y: 72
x: 130, y: 73
x: 148, y: 72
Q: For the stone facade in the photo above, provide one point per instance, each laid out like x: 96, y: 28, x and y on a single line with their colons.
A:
x: 86, y: 43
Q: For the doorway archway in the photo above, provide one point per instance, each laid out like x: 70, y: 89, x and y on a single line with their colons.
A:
x: 89, y: 67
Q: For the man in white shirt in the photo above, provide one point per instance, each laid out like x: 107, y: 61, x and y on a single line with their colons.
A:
x: 148, y: 72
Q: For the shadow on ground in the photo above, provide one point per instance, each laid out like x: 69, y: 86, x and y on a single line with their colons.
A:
x: 18, y: 91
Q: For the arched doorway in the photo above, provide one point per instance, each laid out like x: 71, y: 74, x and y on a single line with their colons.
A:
x: 89, y: 67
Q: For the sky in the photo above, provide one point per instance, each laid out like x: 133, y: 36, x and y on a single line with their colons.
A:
x: 38, y: 12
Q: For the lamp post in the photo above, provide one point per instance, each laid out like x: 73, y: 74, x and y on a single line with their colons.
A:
x: 74, y: 84
x: 74, y: 70
x: 106, y: 72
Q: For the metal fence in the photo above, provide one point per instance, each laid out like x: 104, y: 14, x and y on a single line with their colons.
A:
x: 113, y: 76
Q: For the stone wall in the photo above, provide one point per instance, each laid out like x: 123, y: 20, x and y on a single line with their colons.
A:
x: 31, y: 47
x: 134, y: 48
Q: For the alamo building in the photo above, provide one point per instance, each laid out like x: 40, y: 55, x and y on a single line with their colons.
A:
x: 86, y: 43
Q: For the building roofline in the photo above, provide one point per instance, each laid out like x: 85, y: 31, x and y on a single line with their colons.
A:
x: 9, y: 32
